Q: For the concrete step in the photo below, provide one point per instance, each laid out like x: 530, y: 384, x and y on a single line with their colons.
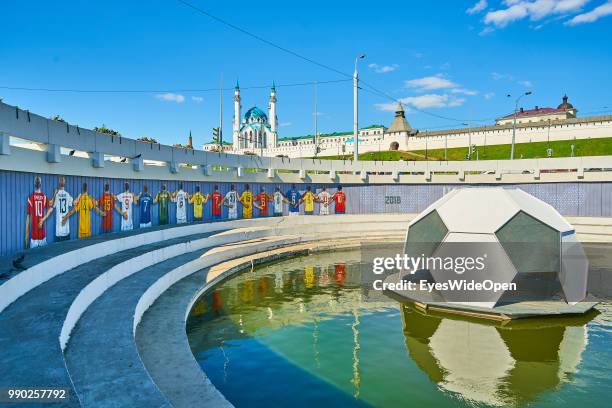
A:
x: 31, y: 326
x: 102, y: 354
x: 160, y: 336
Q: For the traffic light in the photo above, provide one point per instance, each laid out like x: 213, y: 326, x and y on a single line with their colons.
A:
x: 216, y: 135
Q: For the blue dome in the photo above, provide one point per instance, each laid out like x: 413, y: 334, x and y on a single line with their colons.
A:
x: 255, y: 113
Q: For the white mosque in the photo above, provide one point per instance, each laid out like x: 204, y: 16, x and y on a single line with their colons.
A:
x: 257, y: 131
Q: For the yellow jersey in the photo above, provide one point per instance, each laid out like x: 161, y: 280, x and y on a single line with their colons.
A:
x: 309, y: 276
x: 198, y: 201
x: 246, y: 198
x: 84, y: 205
x: 308, y: 199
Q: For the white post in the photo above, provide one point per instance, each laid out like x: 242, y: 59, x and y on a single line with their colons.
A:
x: 316, y: 136
x: 514, y: 130
x: 5, y: 144
x: 236, y: 139
x: 220, y: 136
x: 355, y: 106
x: 470, y: 141
x: 355, y: 113
x: 485, y: 142
x: 514, y: 123
x: 446, y: 147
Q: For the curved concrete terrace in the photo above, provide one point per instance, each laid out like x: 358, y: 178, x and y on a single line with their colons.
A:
x: 43, y: 304
x: 131, y: 288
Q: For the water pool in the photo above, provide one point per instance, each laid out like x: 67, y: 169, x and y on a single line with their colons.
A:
x: 303, y: 332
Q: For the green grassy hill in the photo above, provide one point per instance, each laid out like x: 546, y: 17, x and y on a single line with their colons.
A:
x: 562, y: 148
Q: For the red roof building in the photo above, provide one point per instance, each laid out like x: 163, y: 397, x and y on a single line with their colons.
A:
x: 564, y: 111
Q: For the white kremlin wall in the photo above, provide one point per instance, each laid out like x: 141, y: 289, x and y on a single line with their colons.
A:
x: 569, y: 129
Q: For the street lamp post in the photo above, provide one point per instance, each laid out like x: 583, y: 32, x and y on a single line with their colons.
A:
x: 484, y: 150
x: 446, y: 147
x: 469, y: 141
x: 514, y: 122
x: 355, y: 113
x: 315, y: 114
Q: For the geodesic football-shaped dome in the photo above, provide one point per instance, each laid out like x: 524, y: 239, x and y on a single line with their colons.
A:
x: 525, y: 241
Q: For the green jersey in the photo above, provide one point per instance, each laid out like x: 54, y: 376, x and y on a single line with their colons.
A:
x: 163, y: 198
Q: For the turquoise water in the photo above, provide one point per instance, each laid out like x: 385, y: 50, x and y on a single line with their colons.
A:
x: 303, y: 332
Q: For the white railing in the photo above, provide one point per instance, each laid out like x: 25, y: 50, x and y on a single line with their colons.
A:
x: 18, y: 123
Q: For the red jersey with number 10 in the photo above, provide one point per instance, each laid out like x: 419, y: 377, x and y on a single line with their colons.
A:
x: 217, y: 199
x: 340, y: 199
x: 37, y: 205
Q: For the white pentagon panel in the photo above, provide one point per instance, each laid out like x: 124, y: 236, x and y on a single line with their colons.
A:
x: 463, y: 237
x: 477, y: 210
x: 574, y: 269
x: 435, y: 205
x: 539, y: 209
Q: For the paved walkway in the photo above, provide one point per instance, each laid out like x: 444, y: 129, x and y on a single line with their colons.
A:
x: 164, y: 348
x: 30, y: 326
x: 102, y: 357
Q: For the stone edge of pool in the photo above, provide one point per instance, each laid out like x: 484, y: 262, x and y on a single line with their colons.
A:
x: 215, y: 275
x: 244, y: 239
x: 163, y: 370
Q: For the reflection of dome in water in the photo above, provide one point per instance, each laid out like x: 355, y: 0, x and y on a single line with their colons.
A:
x: 493, y: 364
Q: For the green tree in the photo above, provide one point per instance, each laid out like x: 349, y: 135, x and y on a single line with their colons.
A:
x: 108, y: 131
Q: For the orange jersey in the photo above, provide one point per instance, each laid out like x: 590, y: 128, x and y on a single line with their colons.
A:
x: 106, y: 203
x: 262, y: 201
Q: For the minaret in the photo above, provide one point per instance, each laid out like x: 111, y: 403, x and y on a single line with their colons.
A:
x: 272, y: 118
x: 236, y: 124
x: 190, y: 141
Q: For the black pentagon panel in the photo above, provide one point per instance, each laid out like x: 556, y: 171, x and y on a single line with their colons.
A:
x: 531, y: 245
x: 425, y: 235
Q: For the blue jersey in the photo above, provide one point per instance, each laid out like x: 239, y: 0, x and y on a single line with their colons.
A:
x: 293, y: 196
x: 145, y: 203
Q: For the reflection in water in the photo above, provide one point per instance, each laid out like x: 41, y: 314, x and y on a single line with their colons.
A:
x: 306, y: 327
x: 494, y: 363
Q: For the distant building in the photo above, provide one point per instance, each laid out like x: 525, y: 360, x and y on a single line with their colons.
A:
x: 257, y: 130
x: 399, y: 124
x: 564, y: 111
x: 226, y: 147
x: 256, y: 133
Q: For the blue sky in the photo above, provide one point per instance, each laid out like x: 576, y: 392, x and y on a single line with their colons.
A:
x: 455, y: 59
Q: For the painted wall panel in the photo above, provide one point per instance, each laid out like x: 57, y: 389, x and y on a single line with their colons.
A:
x: 570, y: 199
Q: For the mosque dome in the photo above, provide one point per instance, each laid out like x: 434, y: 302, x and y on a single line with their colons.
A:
x: 255, y: 115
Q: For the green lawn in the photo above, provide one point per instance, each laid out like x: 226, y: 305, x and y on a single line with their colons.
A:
x: 562, y: 148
